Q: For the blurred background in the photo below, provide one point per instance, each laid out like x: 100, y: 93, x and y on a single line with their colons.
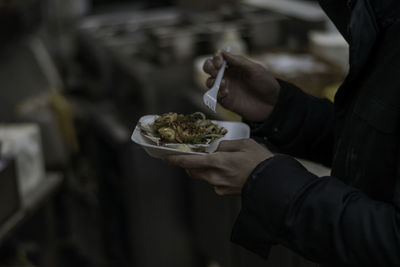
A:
x: 75, y: 77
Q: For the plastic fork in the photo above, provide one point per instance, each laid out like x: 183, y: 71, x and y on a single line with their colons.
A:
x: 210, y: 97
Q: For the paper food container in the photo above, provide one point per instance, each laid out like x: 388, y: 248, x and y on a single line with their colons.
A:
x: 236, y: 130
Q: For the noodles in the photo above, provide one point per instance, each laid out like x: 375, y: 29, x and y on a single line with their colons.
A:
x: 193, y: 129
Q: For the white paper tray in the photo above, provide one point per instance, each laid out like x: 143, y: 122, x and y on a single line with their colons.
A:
x: 236, y: 130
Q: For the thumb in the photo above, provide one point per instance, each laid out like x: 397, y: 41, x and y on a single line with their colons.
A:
x: 235, y: 60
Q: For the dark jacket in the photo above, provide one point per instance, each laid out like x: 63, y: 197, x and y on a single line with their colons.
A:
x: 351, y: 218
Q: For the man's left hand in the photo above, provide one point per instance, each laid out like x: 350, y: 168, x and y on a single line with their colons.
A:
x: 228, y: 168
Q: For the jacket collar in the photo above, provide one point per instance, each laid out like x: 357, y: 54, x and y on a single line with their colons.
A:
x: 363, y: 32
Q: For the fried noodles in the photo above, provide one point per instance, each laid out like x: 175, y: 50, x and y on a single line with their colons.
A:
x: 192, y: 129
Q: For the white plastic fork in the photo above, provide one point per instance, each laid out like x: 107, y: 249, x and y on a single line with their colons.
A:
x: 210, y: 97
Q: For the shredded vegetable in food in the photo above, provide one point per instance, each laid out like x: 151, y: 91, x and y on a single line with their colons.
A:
x: 192, y: 129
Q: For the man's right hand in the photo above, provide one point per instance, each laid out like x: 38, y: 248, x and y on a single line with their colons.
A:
x: 247, y: 88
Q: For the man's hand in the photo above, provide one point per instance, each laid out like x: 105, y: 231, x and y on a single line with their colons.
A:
x: 247, y: 88
x: 228, y: 168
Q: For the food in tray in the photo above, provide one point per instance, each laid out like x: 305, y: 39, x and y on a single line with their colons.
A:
x: 191, y: 132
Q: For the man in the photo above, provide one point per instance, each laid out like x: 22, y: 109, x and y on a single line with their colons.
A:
x: 351, y: 218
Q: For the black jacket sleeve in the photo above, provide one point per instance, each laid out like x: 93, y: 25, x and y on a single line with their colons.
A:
x: 322, y: 219
x: 300, y: 125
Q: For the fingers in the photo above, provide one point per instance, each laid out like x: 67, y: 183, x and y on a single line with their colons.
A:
x: 227, y: 191
x: 201, y: 174
x: 210, y: 82
x: 218, y: 60
x: 232, y: 145
x: 223, y: 91
x: 219, y: 190
x: 235, y: 60
x: 200, y: 167
x: 211, y: 176
x: 211, y: 66
x: 190, y: 161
